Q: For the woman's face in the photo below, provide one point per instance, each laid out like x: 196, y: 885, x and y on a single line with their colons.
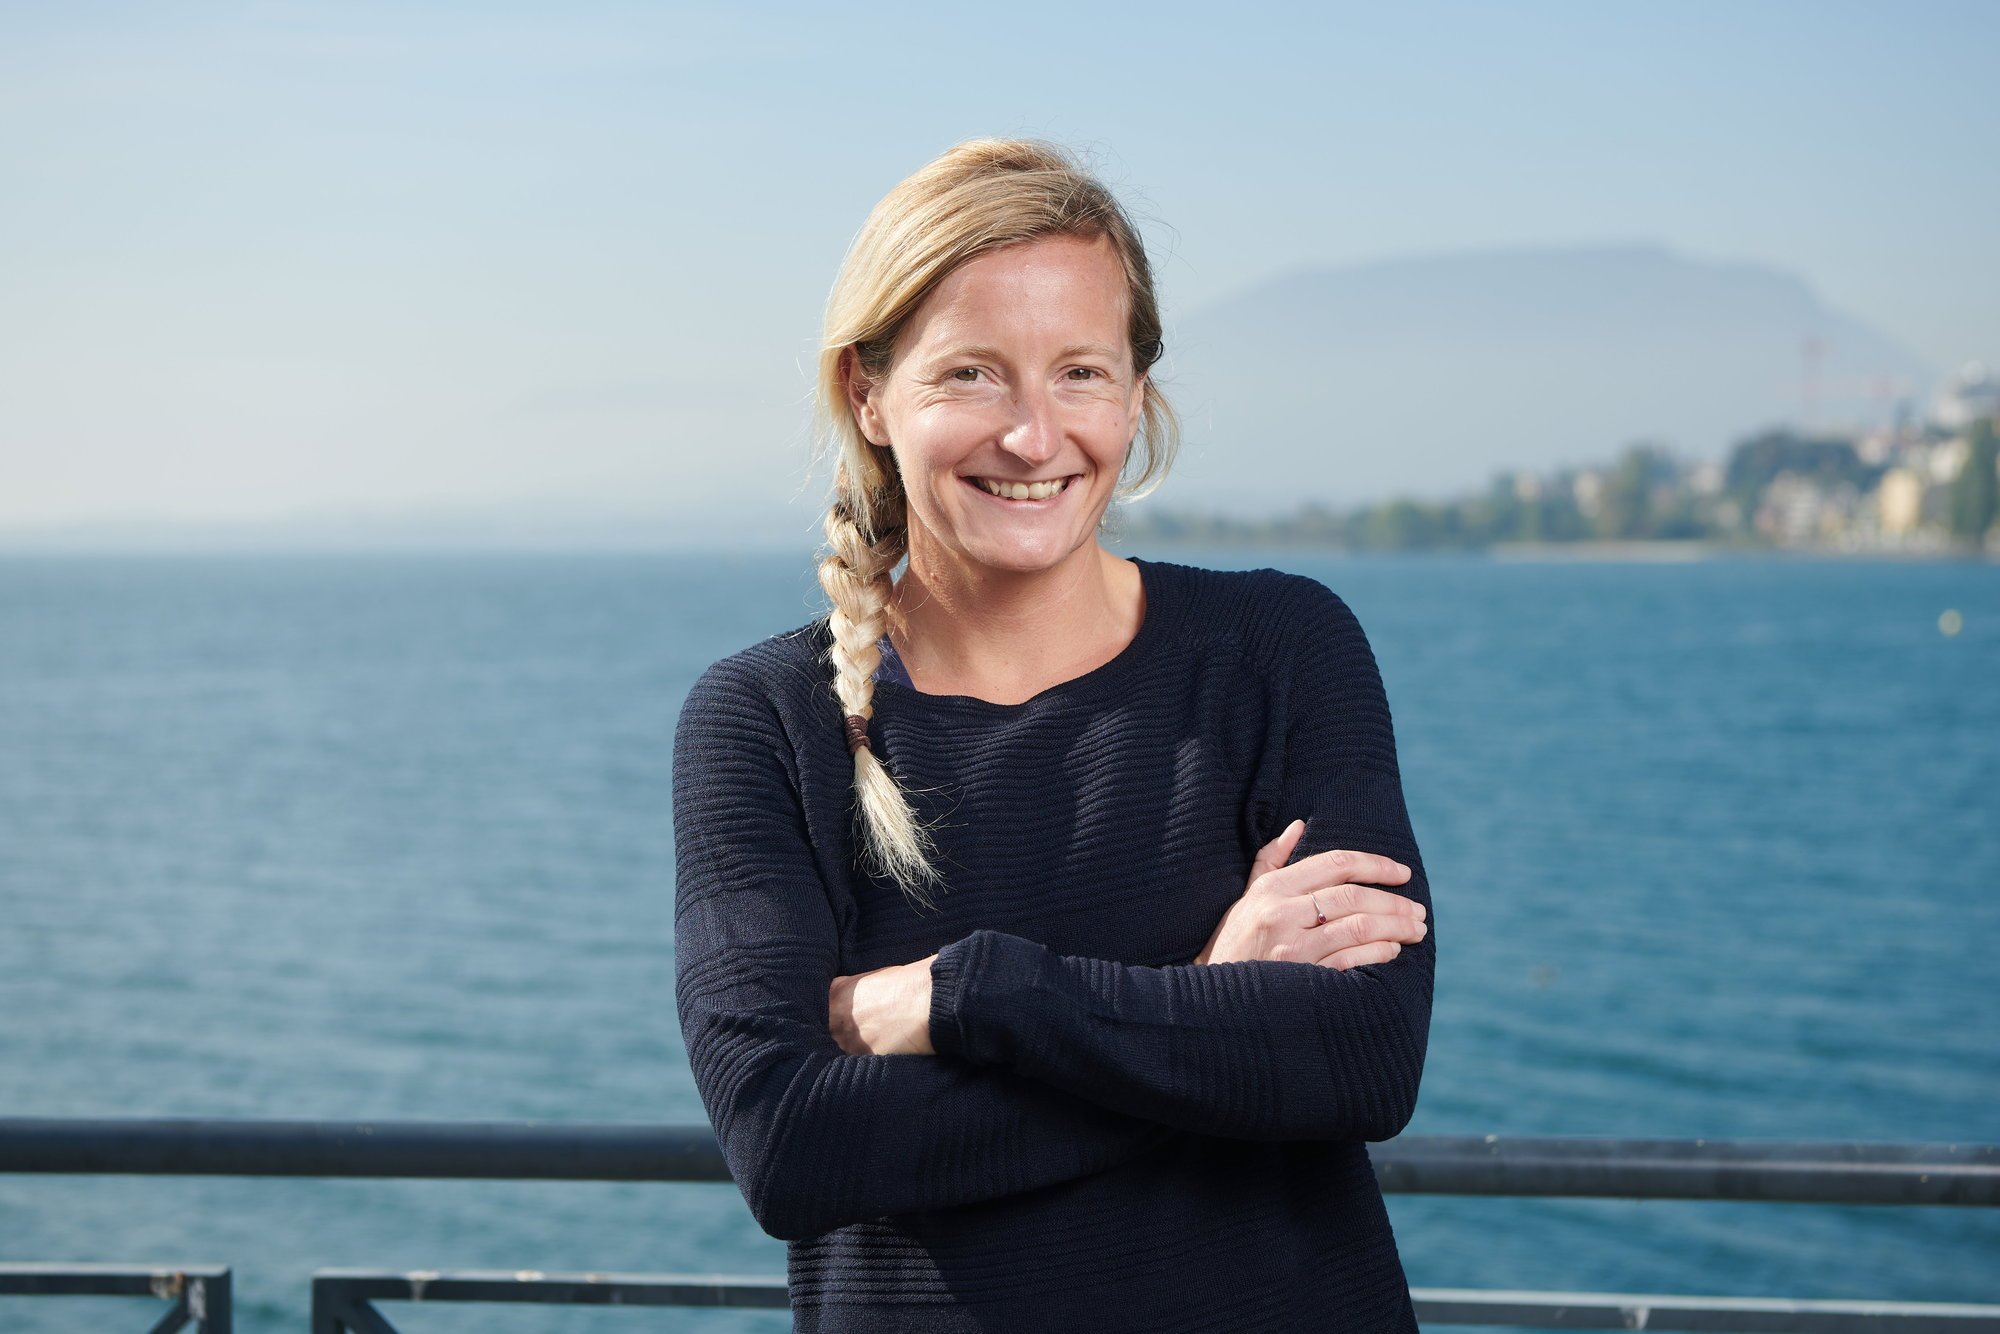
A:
x: 1015, y: 373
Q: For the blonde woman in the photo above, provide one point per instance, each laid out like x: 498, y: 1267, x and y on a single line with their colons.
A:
x: 1036, y: 950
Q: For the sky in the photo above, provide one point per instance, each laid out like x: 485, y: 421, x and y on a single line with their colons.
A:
x: 273, y: 260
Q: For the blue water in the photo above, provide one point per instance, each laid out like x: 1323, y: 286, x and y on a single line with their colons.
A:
x: 1714, y: 848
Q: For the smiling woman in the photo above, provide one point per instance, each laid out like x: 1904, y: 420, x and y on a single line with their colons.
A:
x: 1064, y: 990
x: 988, y: 388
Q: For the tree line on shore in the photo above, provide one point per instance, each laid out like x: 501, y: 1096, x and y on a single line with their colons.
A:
x: 1777, y: 488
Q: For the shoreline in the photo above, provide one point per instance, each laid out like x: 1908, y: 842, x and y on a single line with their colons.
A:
x: 1662, y: 552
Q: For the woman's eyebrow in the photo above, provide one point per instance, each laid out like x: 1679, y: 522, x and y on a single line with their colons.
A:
x: 982, y: 352
x: 963, y: 352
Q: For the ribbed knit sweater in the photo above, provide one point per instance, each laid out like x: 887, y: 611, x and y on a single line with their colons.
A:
x: 1110, y: 1136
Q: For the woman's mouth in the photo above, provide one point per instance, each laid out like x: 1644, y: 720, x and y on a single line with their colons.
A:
x: 1005, y: 490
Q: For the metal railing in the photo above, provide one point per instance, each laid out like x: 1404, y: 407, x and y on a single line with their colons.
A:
x: 196, y: 1295
x: 343, y: 1300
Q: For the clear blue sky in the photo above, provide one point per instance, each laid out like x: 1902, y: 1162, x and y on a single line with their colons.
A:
x: 262, y: 258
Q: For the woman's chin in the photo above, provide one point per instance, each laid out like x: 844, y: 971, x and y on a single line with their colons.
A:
x: 1020, y: 553
x: 993, y: 536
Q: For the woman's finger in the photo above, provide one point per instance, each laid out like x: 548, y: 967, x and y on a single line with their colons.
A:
x: 1281, y: 904
x: 1361, y: 928
x: 1339, y: 900
x: 1380, y: 951
x: 1339, y: 866
x: 1349, y: 864
x: 1279, y: 850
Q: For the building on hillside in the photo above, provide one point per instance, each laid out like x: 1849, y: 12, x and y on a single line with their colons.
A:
x: 1946, y: 459
x: 1971, y: 394
x: 1899, y: 502
x: 1587, y: 487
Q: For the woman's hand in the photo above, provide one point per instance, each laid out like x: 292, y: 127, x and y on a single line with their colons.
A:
x: 883, y: 1012
x: 1275, y: 917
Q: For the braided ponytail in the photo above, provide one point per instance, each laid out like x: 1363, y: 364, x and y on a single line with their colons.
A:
x: 856, y: 576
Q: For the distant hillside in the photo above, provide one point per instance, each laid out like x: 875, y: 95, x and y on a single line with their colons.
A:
x: 1424, y: 375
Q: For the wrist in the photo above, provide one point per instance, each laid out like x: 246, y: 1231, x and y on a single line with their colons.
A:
x: 920, y: 1005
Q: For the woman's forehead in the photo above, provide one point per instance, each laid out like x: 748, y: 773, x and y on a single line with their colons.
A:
x: 1060, y: 290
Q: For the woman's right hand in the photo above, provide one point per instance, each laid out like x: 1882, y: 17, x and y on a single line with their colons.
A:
x: 1275, y: 917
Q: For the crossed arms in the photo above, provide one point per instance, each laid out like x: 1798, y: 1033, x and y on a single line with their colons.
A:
x: 1049, y: 1067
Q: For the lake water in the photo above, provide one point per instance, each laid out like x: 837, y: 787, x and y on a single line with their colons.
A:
x: 1714, y: 847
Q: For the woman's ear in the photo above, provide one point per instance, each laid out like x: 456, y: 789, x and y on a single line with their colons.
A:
x: 861, y: 397
x: 1143, y: 387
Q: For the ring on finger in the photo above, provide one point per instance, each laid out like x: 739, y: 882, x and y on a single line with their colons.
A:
x: 1321, y: 912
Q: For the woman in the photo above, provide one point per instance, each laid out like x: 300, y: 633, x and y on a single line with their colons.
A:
x: 1034, y: 950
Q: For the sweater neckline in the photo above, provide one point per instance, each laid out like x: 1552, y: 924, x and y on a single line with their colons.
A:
x: 1099, y: 680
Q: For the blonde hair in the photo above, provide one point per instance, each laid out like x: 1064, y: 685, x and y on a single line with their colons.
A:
x: 974, y: 199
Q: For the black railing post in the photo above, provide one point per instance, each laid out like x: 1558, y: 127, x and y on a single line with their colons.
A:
x: 338, y: 1308
x: 211, y: 1301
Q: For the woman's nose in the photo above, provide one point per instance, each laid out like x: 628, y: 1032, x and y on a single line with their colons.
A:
x: 1036, y: 434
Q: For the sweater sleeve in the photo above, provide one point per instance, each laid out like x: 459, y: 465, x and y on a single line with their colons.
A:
x: 1268, y: 1049
x: 815, y: 1138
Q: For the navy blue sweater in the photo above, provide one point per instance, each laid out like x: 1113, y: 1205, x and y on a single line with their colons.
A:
x: 1110, y: 1136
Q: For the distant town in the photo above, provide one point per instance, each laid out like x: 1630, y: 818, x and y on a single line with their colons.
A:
x: 1927, y: 485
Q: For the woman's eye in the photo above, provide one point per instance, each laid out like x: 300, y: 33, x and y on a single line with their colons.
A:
x: 1082, y: 373
x: 965, y: 374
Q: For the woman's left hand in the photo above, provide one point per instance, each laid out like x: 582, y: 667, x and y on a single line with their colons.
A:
x: 883, y: 1012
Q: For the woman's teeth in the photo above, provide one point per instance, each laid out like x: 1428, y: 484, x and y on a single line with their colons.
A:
x: 1024, y: 490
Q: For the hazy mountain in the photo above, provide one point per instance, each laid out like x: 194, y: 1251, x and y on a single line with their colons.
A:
x: 1417, y: 376
x: 1424, y: 375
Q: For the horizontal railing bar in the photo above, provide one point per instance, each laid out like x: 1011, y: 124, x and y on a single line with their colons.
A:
x: 84, y: 1279
x: 464, y: 1150
x: 1443, y: 1306
x: 572, y: 1289
x: 1434, y: 1306
x: 349, y: 1288
x: 1751, y: 1315
x: 1774, y: 1171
